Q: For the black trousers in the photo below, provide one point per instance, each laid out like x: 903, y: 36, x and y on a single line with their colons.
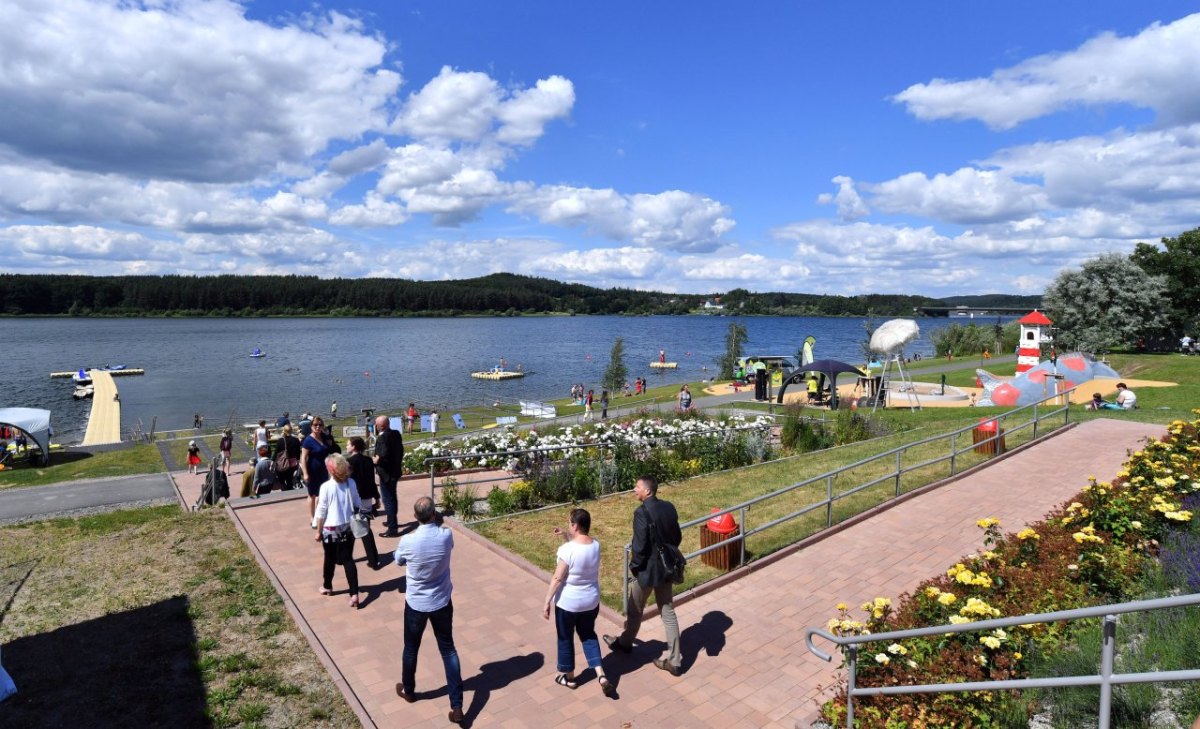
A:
x: 340, y: 553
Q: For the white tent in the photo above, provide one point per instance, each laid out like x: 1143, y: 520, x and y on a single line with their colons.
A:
x: 33, y: 421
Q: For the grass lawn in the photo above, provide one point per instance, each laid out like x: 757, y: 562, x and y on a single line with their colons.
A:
x: 152, y: 617
x: 77, y: 464
x: 531, y: 535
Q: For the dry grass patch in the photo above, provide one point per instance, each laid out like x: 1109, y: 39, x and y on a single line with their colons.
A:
x: 152, y: 617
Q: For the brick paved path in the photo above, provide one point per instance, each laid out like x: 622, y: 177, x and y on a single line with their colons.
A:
x: 744, y: 655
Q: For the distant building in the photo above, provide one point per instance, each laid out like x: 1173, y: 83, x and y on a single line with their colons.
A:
x: 714, y: 303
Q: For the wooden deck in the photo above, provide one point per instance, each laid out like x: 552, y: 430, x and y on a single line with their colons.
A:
x: 104, y: 424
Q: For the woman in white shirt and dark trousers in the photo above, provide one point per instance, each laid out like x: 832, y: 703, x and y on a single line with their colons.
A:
x: 336, y: 504
x: 575, y: 596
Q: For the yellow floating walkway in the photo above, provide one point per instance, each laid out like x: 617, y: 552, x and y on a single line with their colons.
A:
x: 497, y: 375
x: 104, y: 424
x: 663, y: 365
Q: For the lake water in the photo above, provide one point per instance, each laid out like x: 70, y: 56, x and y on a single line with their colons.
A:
x: 202, y: 365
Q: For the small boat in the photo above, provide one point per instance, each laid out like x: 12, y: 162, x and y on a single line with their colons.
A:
x: 256, y: 352
x: 83, y: 392
x: 113, y: 368
x: 82, y: 378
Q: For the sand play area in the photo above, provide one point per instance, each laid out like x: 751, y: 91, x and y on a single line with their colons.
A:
x: 928, y: 394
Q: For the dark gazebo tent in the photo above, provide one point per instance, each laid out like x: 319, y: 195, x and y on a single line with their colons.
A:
x: 830, y: 368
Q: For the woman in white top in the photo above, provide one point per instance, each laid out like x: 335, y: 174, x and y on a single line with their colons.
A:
x: 336, y: 504
x: 575, y: 596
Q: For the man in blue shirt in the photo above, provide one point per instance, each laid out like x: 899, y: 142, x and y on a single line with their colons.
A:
x: 426, y: 552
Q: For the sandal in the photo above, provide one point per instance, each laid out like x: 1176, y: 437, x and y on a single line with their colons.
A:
x: 326, y: 591
x: 562, y: 680
x: 607, y: 687
x: 354, y: 602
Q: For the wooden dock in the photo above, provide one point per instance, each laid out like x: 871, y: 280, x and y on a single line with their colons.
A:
x: 663, y: 365
x: 497, y: 375
x: 114, y: 373
x: 104, y: 424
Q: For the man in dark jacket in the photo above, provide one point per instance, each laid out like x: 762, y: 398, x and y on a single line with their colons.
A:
x: 389, y: 464
x: 654, y: 520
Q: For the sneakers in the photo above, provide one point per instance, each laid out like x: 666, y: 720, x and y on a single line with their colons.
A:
x: 614, y: 644
x: 664, y: 665
x: 455, y: 716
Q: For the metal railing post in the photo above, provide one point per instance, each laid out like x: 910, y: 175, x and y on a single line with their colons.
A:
x: 898, y: 472
x: 852, y: 666
x: 1106, y: 669
x: 743, y: 536
x: 432, y: 486
x: 953, y: 450
x: 1035, y: 421
x: 829, y: 501
x: 625, y: 584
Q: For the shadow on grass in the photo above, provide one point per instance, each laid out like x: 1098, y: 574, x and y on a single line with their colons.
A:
x: 132, y: 668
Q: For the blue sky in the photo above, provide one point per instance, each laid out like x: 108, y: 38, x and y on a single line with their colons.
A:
x: 935, y: 148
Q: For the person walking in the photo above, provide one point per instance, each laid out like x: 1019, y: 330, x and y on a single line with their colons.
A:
x: 574, y: 594
x: 262, y: 434
x: 226, y: 450
x: 685, y: 400
x: 410, y: 417
x: 362, y: 473
x: 654, y: 522
x: 289, y: 465
x: 265, y: 477
x: 193, y: 457
x: 587, y: 404
x: 389, y: 465
x: 336, y: 505
x: 313, y: 451
x: 427, y: 600
x: 433, y: 422
x: 604, y: 405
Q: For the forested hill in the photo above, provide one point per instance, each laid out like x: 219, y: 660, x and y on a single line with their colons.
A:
x: 502, y: 293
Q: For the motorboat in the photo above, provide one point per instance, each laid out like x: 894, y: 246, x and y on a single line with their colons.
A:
x: 82, y: 377
x: 256, y: 353
x: 83, y: 392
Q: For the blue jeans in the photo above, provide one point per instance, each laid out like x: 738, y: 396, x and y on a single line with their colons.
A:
x: 414, y: 628
x: 584, y: 623
x: 387, y: 492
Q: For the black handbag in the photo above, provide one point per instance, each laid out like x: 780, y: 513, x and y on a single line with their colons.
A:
x: 670, y: 558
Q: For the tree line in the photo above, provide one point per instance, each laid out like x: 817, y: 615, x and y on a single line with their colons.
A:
x: 497, y: 294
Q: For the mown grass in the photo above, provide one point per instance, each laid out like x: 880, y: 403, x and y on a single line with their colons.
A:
x: 234, y: 657
x: 77, y: 464
x: 531, y: 535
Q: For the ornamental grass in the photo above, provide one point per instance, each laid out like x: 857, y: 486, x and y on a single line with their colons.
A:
x: 1091, y: 550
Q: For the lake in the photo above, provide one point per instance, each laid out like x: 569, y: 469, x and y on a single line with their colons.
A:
x: 202, y: 365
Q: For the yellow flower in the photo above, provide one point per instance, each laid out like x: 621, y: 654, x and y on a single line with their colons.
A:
x: 841, y: 606
x: 990, y: 642
x: 932, y: 591
x: 882, y: 658
x: 897, y: 650
x: 947, y: 598
x: 1028, y: 533
x: 1017, y: 656
x: 987, y: 523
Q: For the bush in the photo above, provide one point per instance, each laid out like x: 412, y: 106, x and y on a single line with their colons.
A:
x: 500, y: 502
x: 521, y: 494
x: 449, y: 495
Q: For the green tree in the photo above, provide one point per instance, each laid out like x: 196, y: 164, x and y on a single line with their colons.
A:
x: 616, y: 373
x: 1109, y: 301
x: 735, y: 339
x: 1178, y: 260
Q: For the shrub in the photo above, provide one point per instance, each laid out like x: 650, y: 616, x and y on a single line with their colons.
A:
x: 449, y: 495
x: 521, y: 493
x: 500, y: 502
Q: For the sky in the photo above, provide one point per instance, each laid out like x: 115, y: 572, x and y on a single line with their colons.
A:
x: 842, y: 148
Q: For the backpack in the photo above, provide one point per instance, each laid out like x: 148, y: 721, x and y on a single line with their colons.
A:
x: 673, y: 563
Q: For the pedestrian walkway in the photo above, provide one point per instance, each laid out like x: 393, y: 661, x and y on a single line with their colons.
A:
x: 104, y: 422
x: 744, y: 655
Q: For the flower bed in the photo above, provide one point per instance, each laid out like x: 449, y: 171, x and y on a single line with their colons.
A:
x: 577, y: 463
x: 1088, y: 551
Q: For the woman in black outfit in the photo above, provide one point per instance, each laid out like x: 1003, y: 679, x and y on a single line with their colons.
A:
x: 362, y: 470
x: 290, y: 444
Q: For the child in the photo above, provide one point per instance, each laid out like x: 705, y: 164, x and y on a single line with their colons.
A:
x: 193, y: 457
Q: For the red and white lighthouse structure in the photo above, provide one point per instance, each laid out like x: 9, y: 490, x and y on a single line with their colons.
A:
x: 1035, y: 331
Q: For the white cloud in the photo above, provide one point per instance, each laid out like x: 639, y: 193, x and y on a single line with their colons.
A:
x: 455, y: 105
x: 968, y: 195
x: 849, y: 205
x: 674, y: 220
x: 525, y: 115
x: 1154, y: 69
x: 375, y: 212
x: 186, y: 90
x: 599, y: 264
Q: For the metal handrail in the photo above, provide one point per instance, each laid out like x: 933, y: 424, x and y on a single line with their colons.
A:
x: 1106, y: 679
x: 896, y: 474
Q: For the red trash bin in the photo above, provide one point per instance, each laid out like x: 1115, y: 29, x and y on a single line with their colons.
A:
x: 982, y: 436
x: 714, y: 531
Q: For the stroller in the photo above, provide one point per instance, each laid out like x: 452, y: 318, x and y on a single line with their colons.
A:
x: 216, y: 486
